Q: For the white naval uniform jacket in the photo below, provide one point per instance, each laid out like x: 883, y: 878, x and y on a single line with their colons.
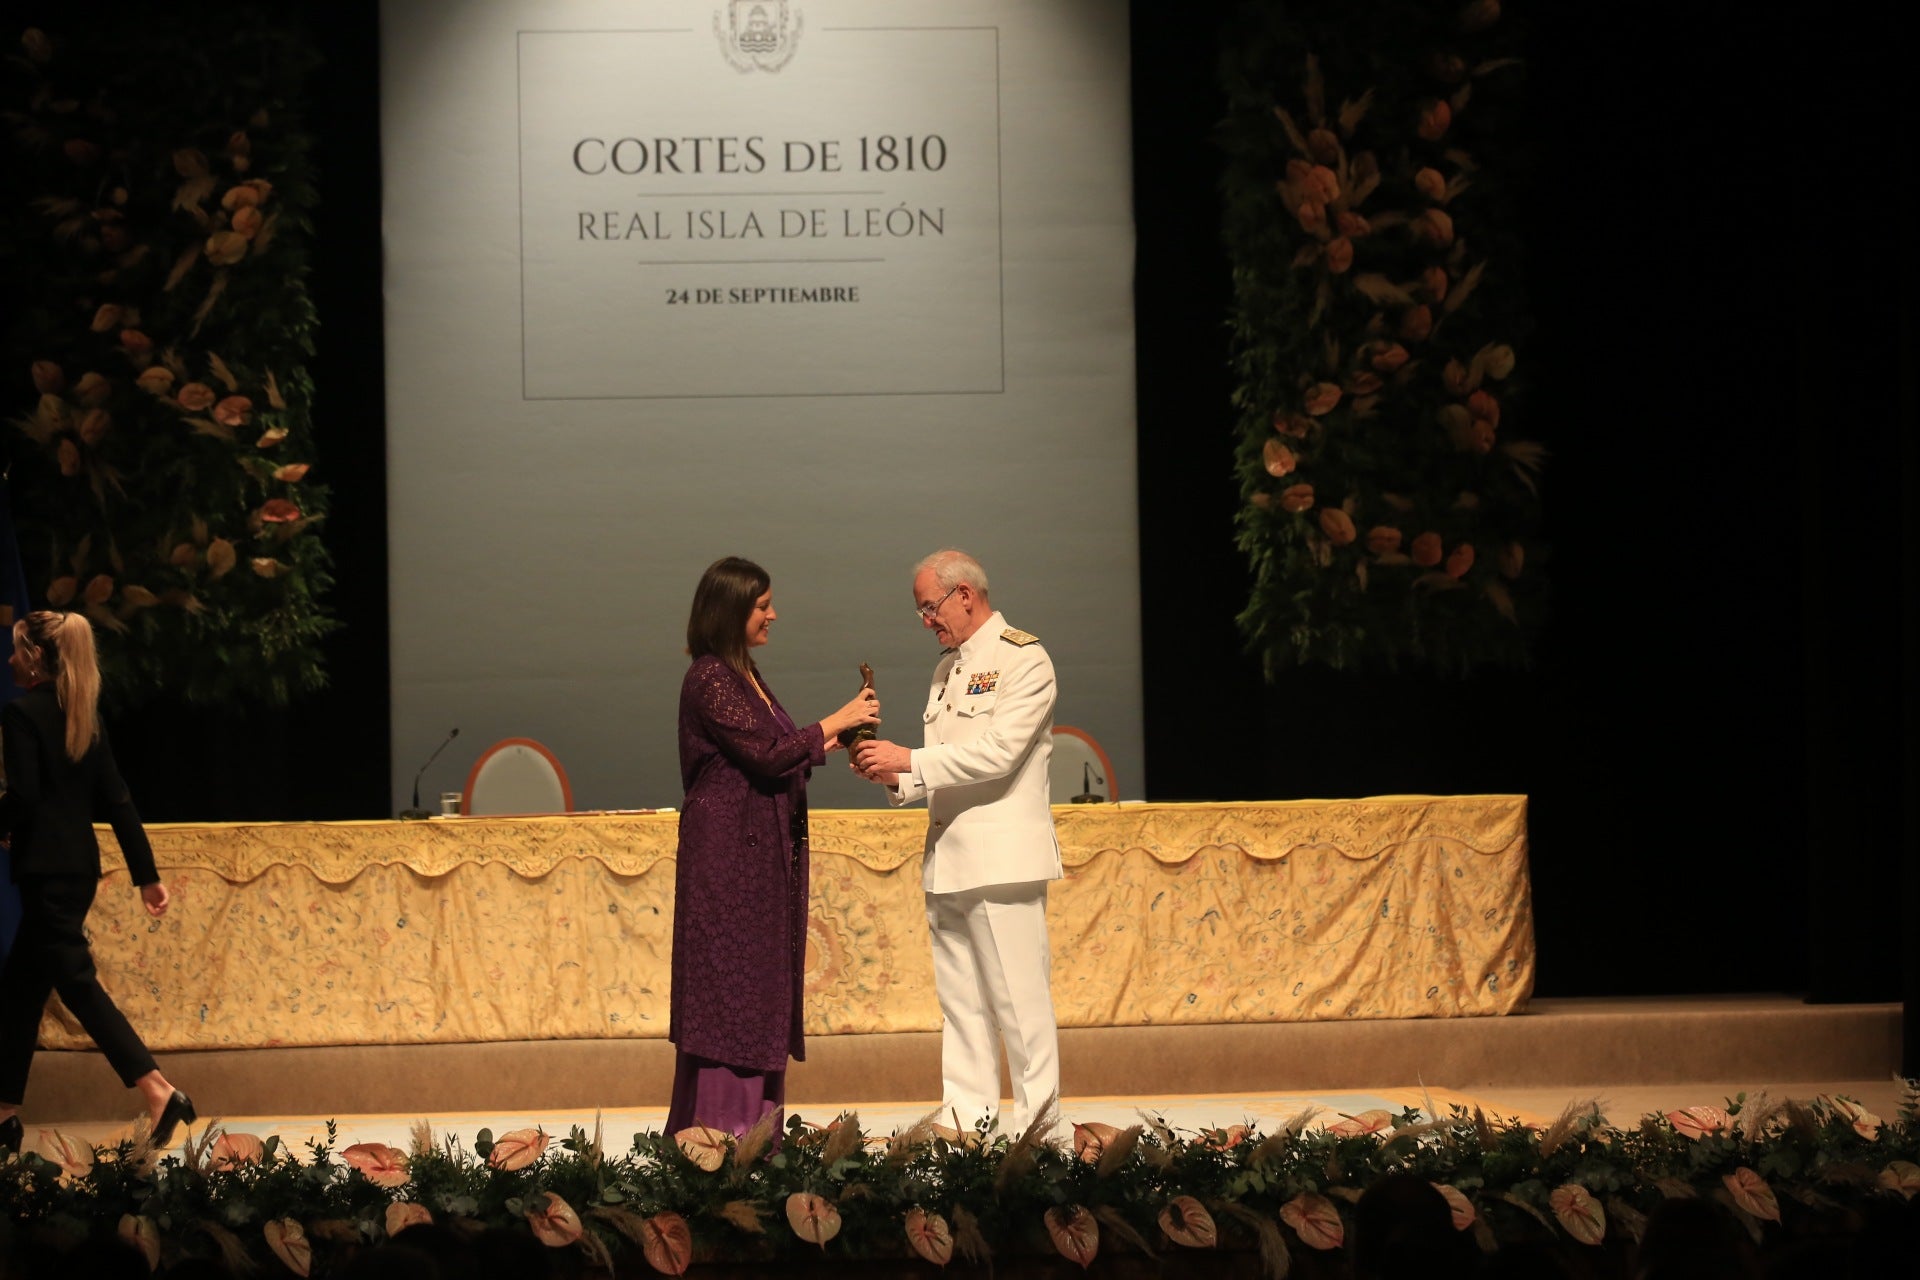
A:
x: 983, y: 770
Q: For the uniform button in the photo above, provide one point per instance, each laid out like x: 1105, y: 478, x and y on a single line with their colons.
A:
x: 938, y: 823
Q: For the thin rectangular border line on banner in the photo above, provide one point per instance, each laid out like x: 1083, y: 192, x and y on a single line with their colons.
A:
x: 1000, y: 238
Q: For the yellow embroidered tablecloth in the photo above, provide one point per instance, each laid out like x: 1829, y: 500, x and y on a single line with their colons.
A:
x: 561, y: 927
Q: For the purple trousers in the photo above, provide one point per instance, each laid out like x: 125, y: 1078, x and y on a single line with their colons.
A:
x: 718, y: 1096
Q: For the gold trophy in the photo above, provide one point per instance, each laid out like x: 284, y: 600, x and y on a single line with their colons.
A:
x: 860, y: 732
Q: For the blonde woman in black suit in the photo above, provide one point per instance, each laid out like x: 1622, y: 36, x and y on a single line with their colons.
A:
x: 60, y: 774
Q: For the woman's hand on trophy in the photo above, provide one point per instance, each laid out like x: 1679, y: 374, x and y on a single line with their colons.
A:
x: 863, y: 710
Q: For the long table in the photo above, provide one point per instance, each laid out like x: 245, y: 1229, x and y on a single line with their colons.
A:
x: 484, y: 929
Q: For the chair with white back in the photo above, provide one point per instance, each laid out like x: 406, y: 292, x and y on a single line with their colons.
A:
x: 516, y: 775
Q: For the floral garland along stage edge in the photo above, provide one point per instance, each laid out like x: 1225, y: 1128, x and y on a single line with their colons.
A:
x: 1391, y: 502
x: 940, y: 1193
x: 161, y: 470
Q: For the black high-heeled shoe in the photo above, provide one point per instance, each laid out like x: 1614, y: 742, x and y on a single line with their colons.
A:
x: 12, y: 1133
x: 179, y: 1110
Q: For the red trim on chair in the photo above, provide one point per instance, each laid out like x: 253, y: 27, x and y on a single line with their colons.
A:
x: 1106, y: 764
x: 566, y: 788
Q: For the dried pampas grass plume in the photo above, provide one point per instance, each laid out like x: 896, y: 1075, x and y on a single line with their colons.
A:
x: 903, y: 1144
x: 753, y: 1144
x: 1574, y: 1119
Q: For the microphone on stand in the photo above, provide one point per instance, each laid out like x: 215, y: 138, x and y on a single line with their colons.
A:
x: 1087, y: 794
x: 416, y: 811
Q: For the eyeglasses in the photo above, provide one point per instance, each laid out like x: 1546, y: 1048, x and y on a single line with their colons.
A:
x: 927, y: 612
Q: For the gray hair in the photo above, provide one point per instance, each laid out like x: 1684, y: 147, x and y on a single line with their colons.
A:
x: 951, y: 567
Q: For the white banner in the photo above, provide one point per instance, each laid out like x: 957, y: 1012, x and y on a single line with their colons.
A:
x: 828, y: 284
x: 820, y: 216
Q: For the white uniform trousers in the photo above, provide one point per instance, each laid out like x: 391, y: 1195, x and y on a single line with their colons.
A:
x: 991, y: 967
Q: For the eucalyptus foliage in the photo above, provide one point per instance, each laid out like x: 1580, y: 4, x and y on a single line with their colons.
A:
x: 1784, y: 1170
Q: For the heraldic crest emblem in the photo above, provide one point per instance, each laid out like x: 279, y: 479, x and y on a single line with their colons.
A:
x: 758, y: 34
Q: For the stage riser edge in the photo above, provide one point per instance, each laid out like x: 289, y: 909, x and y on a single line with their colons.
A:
x: 1615, y: 1042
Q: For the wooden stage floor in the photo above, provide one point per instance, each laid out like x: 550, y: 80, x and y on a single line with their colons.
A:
x: 1634, y: 1055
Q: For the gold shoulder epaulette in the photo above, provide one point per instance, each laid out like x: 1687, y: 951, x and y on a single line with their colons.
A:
x: 1013, y: 635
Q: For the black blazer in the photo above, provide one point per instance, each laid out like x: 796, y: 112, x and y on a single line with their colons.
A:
x: 51, y: 801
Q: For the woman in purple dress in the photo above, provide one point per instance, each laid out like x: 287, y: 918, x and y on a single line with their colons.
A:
x: 740, y: 885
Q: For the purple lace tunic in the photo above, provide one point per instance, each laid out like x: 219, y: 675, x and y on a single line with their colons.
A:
x: 740, y: 886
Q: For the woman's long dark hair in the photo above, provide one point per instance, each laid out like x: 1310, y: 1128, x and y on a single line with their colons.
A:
x: 722, y: 603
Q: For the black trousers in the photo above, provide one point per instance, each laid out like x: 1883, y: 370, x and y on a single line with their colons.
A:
x: 50, y: 953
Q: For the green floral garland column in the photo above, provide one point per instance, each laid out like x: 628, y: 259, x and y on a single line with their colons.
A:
x: 1386, y: 455
x: 159, y: 230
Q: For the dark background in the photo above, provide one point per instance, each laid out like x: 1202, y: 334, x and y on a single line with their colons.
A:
x: 1716, y: 732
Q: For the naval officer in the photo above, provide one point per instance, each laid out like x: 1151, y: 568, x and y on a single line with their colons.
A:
x: 990, y: 848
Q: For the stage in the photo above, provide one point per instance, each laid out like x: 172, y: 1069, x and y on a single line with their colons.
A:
x: 1612, y: 1063
x: 1340, y: 966
x: 1637, y: 1055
